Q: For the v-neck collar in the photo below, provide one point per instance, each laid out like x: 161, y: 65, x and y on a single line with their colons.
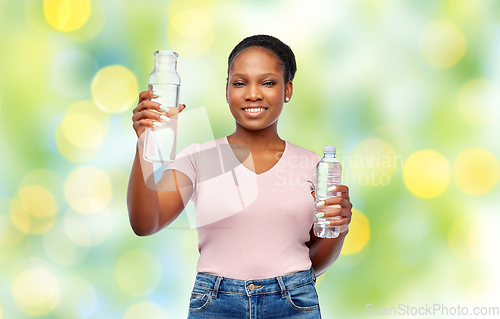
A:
x: 278, y: 163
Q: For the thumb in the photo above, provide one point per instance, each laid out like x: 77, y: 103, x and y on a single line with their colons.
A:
x: 313, y: 193
x: 181, y: 107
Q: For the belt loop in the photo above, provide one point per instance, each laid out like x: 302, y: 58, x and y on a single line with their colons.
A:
x: 313, y: 273
x: 282, y: 286
x: 216, y: 287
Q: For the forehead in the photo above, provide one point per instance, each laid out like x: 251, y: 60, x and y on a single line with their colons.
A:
x: 255, y: 58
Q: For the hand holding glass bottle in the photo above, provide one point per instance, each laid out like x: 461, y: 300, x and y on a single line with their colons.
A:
x: 149, y: 113
x: 159, y: 117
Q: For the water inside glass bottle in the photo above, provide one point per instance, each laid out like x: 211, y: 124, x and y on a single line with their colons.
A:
x: 160, y: 142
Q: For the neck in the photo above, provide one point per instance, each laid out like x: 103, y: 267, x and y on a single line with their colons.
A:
x: 261, y: 139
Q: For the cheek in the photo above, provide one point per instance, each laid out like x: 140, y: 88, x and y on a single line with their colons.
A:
x: 276, y: 95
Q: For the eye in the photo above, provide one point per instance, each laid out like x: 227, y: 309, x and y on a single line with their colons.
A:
x: 269, y: 83
x: 238, y: 83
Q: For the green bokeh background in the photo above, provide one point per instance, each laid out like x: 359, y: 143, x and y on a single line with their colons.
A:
x: 367, y: 82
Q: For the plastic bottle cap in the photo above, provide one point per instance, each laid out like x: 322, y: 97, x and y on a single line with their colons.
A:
x: 329, y: 149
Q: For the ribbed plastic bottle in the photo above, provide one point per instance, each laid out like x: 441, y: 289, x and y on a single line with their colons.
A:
x: 160, y: 142
x: 328, y: 174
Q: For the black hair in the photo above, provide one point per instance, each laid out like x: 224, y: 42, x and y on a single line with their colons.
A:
x: 280, y: 50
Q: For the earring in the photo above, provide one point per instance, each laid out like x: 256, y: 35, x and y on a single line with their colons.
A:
x: 287, y: 99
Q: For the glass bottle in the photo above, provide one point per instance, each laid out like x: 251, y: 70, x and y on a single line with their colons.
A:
x: 160, y: 142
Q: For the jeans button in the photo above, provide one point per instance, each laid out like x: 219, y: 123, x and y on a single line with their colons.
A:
x: 251, y: 287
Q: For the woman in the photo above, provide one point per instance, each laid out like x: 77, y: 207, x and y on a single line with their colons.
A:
x: 258, y: 254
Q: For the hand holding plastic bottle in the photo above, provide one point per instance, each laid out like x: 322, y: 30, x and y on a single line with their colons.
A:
x: 339, y: 206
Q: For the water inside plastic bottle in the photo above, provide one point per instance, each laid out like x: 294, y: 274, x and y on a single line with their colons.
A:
x: 329, y: 173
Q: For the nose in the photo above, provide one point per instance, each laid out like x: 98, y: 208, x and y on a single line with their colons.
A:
x: 254, y: 93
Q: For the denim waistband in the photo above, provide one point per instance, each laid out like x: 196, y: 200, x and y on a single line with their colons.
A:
x: 254, y: 286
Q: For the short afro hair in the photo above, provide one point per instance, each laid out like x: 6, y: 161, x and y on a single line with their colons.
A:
x: 282, y: 51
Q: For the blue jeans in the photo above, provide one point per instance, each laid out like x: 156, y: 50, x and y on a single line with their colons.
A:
x: 290, y: 296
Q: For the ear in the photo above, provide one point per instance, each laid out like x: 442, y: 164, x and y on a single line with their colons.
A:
x: 289, y: 90
x: 227, y: 97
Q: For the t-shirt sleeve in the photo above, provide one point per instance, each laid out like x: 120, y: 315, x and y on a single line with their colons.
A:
x: 186, y: 162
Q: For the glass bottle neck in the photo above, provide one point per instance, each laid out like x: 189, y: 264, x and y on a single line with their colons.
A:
x: 165, y: 62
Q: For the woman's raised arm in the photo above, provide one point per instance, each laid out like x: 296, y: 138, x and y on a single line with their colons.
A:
x: 153, y: 206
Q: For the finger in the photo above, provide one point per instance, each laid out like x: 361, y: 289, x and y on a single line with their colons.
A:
x: 151, y: 115
x: 181, y: 107
x: 344, y: 190
x: 141, y: 125
x: 145, y: 95
x: 338, y: 222
x: 146, y: 123
x: 150, y: 105
x: 172, y: 111
x: 330, y: 201
x: 313, y: 193
x: 344, y: 212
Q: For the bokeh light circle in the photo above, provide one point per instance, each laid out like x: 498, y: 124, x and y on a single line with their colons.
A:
x: 82, y: 131
x: 114, y: 89
x: 88, y: 190
x: 67, y: 15
x: 196, y: 37
x: 426, y: 173
x: 35, y: 211
x: 145, y: 309
x: 49, y: 180
x: 36, y: 291
x: 359, y: 233
x: 88, y: 230
x: 476, y: 171
x: 60, y: 248
x: 442, y: 45
x: 38, y: 201
x: 78, y: 298
x: 138, y: 272
x: 372, y: 161
x: 10, y: 235
x: 479, y: 102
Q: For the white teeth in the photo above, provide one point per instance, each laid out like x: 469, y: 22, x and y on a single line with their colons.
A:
x: 255, y: 109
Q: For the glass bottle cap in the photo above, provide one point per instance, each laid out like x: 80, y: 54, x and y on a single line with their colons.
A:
x: 163, y: 52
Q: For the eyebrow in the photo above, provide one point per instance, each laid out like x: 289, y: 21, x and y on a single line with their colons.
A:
x: 263, y: 74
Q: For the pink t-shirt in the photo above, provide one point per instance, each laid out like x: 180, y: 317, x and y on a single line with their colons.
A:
x: 250, y: 226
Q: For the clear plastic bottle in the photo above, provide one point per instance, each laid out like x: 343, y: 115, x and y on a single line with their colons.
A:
x: 328, y: 174
x: 160, y: 142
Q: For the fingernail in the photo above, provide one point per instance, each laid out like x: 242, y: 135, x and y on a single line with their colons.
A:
x: 164, y: 108
x: 165, y: 118
x: 156, y: 124
x: 320, y: 215
x: 331, y: 189
x: 320, y: 203
x: 326, y: 223
x: 157, y: 94
x: 336, y: 206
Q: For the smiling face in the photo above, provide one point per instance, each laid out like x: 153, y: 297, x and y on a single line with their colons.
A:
x: 256, y: 89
